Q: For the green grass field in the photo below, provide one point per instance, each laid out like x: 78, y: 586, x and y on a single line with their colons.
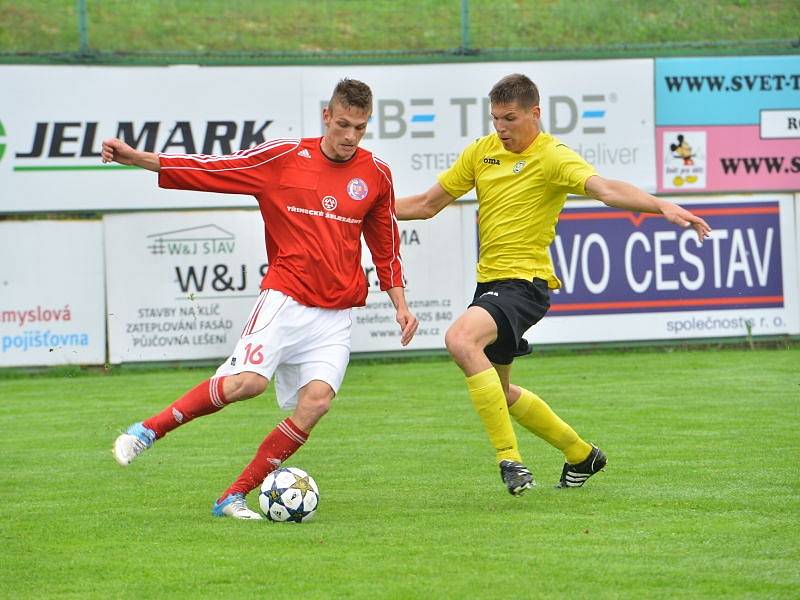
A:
x: 700, y: 498
x: 318, y: 28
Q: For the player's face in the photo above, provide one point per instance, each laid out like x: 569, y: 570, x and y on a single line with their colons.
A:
x: 344, y: 128
x: 516, y: 125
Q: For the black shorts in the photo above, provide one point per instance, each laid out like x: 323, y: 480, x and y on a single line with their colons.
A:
x: 515, y: 306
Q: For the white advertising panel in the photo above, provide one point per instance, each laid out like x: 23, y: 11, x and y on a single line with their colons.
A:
x: 181, y: 284
x: 778, y: 124
x: 433, y: 258
x: 54, y: 118
x: 424, y: 115
x: 797, y: 253
x: 637, y: 277
x: 52, y: 308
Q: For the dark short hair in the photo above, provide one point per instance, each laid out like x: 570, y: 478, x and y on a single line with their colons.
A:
x: 515, y: 88
x: 352, y: 92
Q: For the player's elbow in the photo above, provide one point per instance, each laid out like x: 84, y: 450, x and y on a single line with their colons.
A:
x: 602, y: 190
x: 413, y: 212
x: 434, y: 203
x: 428, y: 211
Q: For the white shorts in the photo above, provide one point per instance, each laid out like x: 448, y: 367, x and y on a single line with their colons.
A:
x: 294, y: 343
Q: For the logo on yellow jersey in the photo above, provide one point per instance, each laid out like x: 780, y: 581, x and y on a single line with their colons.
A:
x: 518, y: 166
x: 490, y: 161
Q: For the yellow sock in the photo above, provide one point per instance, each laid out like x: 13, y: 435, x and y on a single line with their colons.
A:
x: 486, y: 393
x: 534, y: 414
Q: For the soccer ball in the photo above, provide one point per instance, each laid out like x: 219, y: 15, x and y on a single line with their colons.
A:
x: 289, y: 494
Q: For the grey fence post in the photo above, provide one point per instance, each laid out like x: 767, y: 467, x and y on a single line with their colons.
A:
x: 83, y: 26
x: 465, y: 27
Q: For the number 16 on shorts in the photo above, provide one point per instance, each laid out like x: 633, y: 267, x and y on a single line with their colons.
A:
x: 253, y: 354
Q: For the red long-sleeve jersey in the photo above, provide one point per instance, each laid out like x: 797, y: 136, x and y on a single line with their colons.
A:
x: 314, y: 212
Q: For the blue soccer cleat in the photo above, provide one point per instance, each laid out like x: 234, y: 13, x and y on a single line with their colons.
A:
x: 234, y: 505
x: 136, y: 439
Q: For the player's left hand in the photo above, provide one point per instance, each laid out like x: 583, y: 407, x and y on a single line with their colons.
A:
x: 682, y: 217
x: 408, y: 325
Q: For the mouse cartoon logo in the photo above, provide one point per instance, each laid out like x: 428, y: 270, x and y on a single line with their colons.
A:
x: 682, y: 161
x: 682, y: 150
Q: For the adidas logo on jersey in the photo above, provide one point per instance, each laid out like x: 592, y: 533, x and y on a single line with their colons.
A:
x: 304, y: 153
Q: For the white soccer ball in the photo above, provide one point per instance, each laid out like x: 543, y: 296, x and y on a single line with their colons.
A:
x: 289, y: 494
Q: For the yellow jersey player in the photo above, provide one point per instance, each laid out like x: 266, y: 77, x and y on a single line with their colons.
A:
x: 522, y: 176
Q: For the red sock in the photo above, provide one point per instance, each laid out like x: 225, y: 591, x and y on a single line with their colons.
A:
x: 203, y: 399
x: 280, y: 444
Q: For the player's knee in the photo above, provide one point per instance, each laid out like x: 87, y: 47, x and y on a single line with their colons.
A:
x: 457, y: 342
x: 317, y: 403
x: 321, y: 408
x: 452, y: 340
x: 244, y: 386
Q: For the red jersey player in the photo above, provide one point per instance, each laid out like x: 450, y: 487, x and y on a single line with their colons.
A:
x: 317, y: 196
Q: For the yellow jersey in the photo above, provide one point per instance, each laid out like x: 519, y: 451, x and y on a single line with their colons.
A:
x: 519, y: 199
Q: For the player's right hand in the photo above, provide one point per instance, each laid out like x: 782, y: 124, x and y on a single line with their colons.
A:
x: 408, y: 325
x: 683, y: 218
x: 115, y: 150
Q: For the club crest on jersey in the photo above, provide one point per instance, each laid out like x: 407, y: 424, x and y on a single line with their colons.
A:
x: 329, y: 203
x: 518, y: 166
x: 357, y: 189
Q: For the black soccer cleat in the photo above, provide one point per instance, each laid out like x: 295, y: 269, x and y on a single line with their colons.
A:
x: 516, y: 476
x: 576, y: 475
